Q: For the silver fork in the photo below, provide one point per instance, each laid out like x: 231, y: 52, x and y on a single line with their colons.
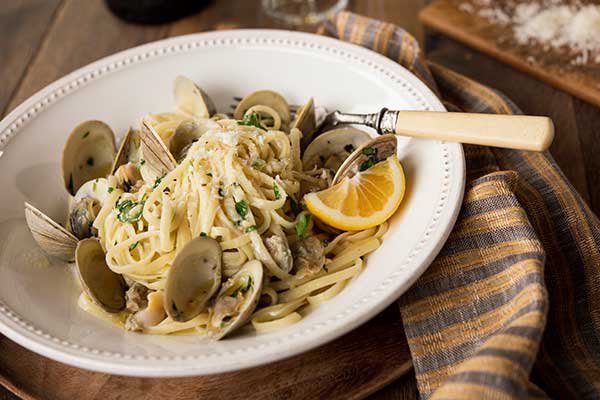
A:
x: 523, y: 132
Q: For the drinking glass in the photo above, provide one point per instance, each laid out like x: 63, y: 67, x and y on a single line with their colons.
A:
x: 302, y: 12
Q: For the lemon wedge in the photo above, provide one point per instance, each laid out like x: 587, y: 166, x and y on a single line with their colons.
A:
x: 367, y: 199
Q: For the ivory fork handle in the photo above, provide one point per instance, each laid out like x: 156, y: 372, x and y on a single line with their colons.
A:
x: 510, y: 131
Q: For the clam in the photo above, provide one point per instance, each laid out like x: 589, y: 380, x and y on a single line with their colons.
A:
x: 186, y: 133
x: 193, y: 279
x: 129, y: 151
x: 267, y: 99
x: 192, y: 100
x: 85, y: 207
x: 305, y: 121
x: 331, y: 148
x: 366, y: 155
x: 88, y: 154
x: 105, y: 287
x: 49, y: 235
x: 158, y: 159
x: 236, y: 300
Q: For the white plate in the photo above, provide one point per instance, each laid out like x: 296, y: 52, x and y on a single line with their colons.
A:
x: 38, y: 297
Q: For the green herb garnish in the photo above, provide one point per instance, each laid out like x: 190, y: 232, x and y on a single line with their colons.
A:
x: 235, y: 292
x: 95, y: 186
x: 369, y: 151
x: 302, y: 225
x: 142, y: 161
x: 276, y: 191
x: 90, y: 161
x: 110, y: 189
x: 249, y: 284
x: 251, y: 229
x: 251, y: 120
x: 126, y: 206
x: 367, y: 164
x: 133, y: 246
x: 209, y: 174
x: 294, y: 206
x: 157, y: 181
x: 242, y: 208
x: 86, y: 134
x: 203, y: 234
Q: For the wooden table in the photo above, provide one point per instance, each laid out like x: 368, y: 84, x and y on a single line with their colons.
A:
x: 42, y: 40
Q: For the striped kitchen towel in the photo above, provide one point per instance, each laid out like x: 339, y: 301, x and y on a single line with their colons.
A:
x: 511, y: 306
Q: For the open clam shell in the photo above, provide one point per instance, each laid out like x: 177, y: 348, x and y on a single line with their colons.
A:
x: 88, y: 154
x: 105, y: 287
x: 368, y: 153
x: 332, y: 148
x: 186, y: 133
x: 49, y: 235
x: 194, y: 277
x: 85, y: 206
x: 129, y: 151
x: 191, y: 99
x: 158, y: 159
x: 266, y: 98
x: 236, y: 300
x: 306, y: 121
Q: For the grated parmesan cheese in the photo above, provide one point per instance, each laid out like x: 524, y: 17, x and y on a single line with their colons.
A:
x: 550, y: 23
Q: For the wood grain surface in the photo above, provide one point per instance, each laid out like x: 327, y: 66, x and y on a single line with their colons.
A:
x: 350, y: 367
x: 498, y: 42
x: 42, y: 40
x: 576, y: 146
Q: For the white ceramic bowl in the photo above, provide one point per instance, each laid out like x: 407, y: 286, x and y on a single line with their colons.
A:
x: 38, y: 296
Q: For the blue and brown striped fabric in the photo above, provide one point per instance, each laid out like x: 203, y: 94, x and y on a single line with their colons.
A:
x: 511, y: 306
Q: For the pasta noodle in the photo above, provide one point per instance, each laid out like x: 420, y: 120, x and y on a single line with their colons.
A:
x: 238, y: 184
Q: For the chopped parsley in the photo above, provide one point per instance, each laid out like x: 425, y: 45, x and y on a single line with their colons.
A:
x: 86, y: 134
x: 126, y: 206
x: 235, y: 292
x: 367, y: 164
x: 157, y: 181
x: 242, y: 208
x: 110, y: 189
x: 294, y: 206
x: 369, y: 151
x: 302, y: 225
x: 142, y: 161
x: 276, y: 191
x: 90, y: 161
x: 95, y: 185
x: 133, y: 246
x: 251, y: 120
x: 249, y: 284
x: 251, y: 229
x: 325, y: 268
x: 203, y: 234
x: 209, y: 174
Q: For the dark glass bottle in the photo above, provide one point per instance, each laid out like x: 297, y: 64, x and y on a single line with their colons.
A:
x: 154, y: 11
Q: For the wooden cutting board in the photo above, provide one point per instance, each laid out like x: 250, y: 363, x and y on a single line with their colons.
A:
x: 497, y: 41
x: 350, y: 367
